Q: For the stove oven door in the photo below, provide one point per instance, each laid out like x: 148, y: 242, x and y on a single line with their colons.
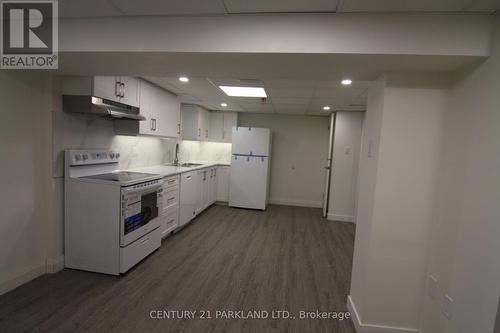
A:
x: 139, y: 211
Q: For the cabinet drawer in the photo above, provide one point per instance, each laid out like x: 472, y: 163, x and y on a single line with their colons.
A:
x: 171, y: 181
x: 138, y: 250
x: 170, y: 222
x: 170, y: 198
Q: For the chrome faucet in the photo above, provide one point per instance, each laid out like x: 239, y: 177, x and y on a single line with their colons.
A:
x: 176, y: 158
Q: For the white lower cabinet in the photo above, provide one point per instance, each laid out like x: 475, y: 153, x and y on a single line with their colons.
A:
x: 169, y: 208
x: 198, y: 190
x: 203, y: 191
x: 212, y: 186
x: 188, y: 197
x: 223, y: 183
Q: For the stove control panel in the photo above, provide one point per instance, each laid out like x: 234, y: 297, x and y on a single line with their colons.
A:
x: 91, y: 156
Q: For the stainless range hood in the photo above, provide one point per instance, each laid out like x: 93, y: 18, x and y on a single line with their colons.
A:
x: 100, y: 107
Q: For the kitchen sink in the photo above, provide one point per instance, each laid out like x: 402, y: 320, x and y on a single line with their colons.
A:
x: 190, y: 164
x: 185, y: 165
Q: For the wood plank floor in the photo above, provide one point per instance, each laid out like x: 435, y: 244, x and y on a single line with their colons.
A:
x: 287, y: 258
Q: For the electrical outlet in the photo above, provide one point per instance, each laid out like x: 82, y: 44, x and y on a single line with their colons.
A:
x: 447, y: 306
x: 431, y: 286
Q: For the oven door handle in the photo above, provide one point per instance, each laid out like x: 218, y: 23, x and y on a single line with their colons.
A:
x: 144, y: 190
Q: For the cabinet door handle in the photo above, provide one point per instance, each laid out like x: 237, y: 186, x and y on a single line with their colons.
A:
x: 206, y: 133
x: 118, y: 86
x: 155, y: 124
x: 152, y: 124
x: 199, y: 131
x: 215, y: 172
x: 178, y: 128
x: 123, y: 89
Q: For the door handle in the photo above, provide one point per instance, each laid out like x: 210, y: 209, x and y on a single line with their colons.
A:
x: 123, y: 89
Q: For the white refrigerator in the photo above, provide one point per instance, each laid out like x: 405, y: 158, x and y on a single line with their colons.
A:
x: 250, y: 167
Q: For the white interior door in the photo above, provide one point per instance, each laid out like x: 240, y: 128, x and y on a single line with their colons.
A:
x: 329, y: 165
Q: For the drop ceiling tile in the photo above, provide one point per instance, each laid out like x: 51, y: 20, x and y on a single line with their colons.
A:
x: 290, y: 83
x: 342, y: 92
x: 293, y: 101
x: 337, y: 84
x: 290, y: 92
x: 87, y: 8
x: 282, y: 6
x: 290, y: 108
x: 316, y: 108
x: 170, y: 7
x: 258, y: 107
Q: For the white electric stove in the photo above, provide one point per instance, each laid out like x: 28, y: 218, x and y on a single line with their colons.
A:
x: 111, y: 216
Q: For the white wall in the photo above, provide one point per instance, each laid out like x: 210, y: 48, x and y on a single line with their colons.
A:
x: 465, y: 244
x: 299, y: 152
x: 344, y: 180
x: 394, y: 216
x: 24, y: 148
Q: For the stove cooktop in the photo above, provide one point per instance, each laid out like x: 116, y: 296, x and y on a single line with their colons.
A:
x: 122, y: 176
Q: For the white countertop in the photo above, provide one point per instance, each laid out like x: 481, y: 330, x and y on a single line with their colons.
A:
x: 170, y: 170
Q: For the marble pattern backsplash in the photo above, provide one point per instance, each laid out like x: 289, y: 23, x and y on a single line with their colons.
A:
x: 204, y: 151
x: 78, y: 131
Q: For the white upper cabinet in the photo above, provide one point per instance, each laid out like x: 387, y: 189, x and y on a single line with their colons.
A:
x: 203, y: 125
x: 169, y: 114
x: 107, y: 87
x: 130, y: 93
x: 122, y: 89
x: 161, y: 110
x: 216, y: 126
x: 195, y: 122
x: 230, y: 121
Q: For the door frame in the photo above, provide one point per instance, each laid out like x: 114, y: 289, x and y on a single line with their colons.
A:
x: 329, y: 164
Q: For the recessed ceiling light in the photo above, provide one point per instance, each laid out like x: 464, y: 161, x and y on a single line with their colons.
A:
x: 326, y: 108
x: 234, y: 91
x: 183, y: 79
x: 223, y: 105
x: 346, y: 82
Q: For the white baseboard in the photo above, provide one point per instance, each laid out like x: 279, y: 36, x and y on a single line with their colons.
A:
x: 370, y: 328
x: 299, y: 203
x: 55, y: 265
x: 341, y: 218
x: 22, y: 279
